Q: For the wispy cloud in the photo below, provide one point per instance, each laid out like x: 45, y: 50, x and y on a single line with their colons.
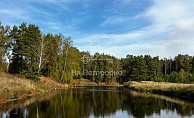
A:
x: 114, y: 20
x: 170, y: 33
x: 50, y: 15
x: 118, y: 27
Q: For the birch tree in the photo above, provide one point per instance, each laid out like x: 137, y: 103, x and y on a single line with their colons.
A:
x: 5, y: 43
x: 41, y: 52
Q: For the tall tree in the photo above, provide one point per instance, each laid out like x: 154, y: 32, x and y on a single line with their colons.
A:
x: 152, y: 66
x: 4, y: 47
x: 19, y: 60
x: 192, y: 64
x: 54, y: 56
x: 70, y: 60
x: 41, y: 50
x: 139, y: 69
x: 24, y: 59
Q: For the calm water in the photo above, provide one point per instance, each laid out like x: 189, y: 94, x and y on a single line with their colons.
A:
x: 94, y: 102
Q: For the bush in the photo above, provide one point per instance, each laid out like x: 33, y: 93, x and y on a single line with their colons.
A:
x: 166, y: 78
x: 173, y: 77
x: 31, y: 75
x: 159, y: 79
x: 192, y: 77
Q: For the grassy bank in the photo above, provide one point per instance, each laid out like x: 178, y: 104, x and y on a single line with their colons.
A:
x: 173, y: 89
x: 86, y: 82
x: 12, y: 87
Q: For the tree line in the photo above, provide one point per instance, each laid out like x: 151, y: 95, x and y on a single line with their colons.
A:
x: 29, y: 53
x: 179, y: 69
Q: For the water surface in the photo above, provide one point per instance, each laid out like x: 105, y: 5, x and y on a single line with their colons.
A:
x: 92, y: 102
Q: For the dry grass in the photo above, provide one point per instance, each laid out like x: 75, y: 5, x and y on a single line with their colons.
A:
x: 12, y: 87
x: 84, y: 82
x: 9, y: 82
x: 176, y: 89
x: 162, y: 97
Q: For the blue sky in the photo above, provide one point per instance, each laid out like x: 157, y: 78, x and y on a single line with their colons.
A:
x: 116, y: 27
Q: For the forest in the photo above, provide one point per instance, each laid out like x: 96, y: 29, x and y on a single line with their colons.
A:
x: 28, y: 53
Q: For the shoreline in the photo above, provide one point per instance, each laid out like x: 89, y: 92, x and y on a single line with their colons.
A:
x: 8, y: 106
x: 13, y: 88
x: 31, y: 95
x: 99, y: 86
x: 163, y: 88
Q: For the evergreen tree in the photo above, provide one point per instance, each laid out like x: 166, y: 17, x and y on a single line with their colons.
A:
x: 152, y: 66
x: 85, y: 65
x: 19, y: 60
x: 24, y: 59
x: 139, y: 69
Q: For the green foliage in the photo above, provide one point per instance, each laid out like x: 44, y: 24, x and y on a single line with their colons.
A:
x: 182, y: 76
x: 24, y: 59
x: 192, y: 78
x: 35, y: 54
x: 168, y: 70
x: 140, y: 68
x: 159, y: 79
x: 173, y: 77
x: 33, y: 75
x: 4, y: 46
x: 103, y: 68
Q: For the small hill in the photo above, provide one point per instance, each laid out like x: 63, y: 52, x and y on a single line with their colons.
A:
x: 12, y: 87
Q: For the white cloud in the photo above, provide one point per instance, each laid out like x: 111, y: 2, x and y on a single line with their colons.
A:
x: 112, y: 20
x: 170, y: 33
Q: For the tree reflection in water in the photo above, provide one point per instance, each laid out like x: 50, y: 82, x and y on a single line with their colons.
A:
x: 101, y: 102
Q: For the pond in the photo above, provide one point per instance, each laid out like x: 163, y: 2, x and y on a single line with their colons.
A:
x: 103, y: 102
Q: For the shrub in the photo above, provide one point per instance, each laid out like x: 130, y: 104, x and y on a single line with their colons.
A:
x: 159, y: 79
x: 173, y: 77
x: 166, y: 78
x: 32, y: 75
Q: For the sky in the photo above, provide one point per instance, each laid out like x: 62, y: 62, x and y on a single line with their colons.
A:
x: 163, y: 28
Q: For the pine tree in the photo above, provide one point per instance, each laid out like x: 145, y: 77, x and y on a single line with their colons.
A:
x: 85, y: 65
x: 152, y: 65
x: 24, y: 59
x: 139, y: 70
x: 19, y: 60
